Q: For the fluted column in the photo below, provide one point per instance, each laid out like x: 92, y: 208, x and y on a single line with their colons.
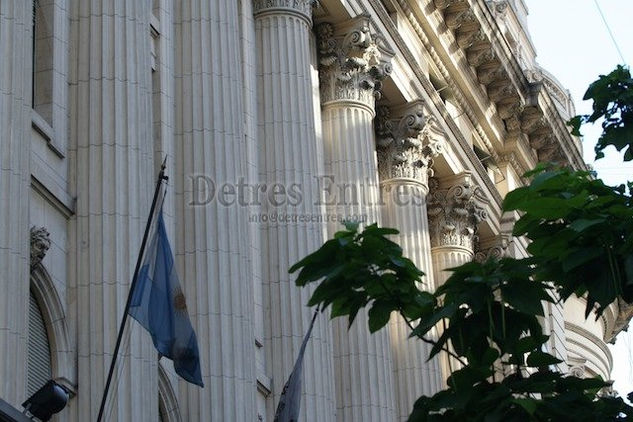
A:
x: 406, y: 145
x: 15, y: 179
x: 111, y: 161
x: 455, y: 209
x: 351, y: 65
x: 290, y: 156
x: 213, y: 245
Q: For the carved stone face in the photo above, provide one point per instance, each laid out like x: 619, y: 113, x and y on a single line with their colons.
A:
x: 40, y: 243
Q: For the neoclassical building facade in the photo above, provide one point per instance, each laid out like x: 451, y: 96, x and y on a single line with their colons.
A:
x: 279, y: 119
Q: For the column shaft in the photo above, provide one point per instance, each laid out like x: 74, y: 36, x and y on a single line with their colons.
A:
x: 351, y: 67
x: 111, y: 160
x: 213, y: 242
x: 363, y: 364
x: 455, y: 213
x: 405, y: 152
x: 290, y: 159
x: 15, y: 179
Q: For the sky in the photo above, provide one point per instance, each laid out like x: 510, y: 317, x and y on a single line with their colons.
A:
x: 573, y: 43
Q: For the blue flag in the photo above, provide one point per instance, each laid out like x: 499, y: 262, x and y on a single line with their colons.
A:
x: 159, y: 305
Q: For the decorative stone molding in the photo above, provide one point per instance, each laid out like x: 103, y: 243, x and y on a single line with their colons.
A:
x: 40, y: 243
x: 497, y: 251
x: 443, y: 4
x: 466, y: 39
x: 302, y: 7
x: 454, y: 213
x: 407, y: 145
x: 625, y: 313
x: 353, y: 61
x: 457, y: 19
x: 509, y: 107
x: 480, y: 56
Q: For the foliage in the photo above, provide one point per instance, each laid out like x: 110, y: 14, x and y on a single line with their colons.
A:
x: 581, y: 232
x: 487, y: 314
x: 612, y: 97
x: 490, y: 314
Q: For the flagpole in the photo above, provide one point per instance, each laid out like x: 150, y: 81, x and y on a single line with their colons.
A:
x: 159, y: 182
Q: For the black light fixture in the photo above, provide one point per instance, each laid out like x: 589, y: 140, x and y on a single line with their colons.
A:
x: 46, y: 401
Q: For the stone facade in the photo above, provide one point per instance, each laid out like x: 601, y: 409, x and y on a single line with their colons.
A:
x: 279, y: 119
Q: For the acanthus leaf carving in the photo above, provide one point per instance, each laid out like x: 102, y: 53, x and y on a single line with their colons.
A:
x: 406, y: 145
x: 454, y: 213
x: 496, y: 251
x: 353, y: 62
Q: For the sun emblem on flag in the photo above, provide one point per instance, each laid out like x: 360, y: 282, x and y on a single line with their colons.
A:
x: 179, y: 300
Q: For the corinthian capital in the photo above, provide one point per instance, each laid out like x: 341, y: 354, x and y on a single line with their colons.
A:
x: 455, y: 212
x: 406, y: 145
x: 496, y: 249
x: 352, y: 61
x: 40, y: 243
x: 301, y: 7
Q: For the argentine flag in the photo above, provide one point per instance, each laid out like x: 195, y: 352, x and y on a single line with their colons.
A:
x: 159, y: 305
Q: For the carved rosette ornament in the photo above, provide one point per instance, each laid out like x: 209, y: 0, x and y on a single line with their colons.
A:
x: 454, y: 214
x: 40, y: 243
x: 406, y: 145
x: 353, y: 61
x: 302, y: 7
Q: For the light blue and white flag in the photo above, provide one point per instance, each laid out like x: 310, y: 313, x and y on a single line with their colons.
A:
x: 290, y: 400
x: 159, y: 305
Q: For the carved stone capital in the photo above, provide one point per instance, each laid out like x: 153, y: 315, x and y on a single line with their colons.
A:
x: 498, y: 250
x: 353, y: 61
x: 407, y: 144
x: 455, y: 212
x: 301, y: 7
x: 40, y: 243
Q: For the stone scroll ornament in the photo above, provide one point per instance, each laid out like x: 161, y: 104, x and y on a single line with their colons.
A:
x: 454, y: 214
x: 406, y: 146
x: 40, y: 243
x: 353, y: 61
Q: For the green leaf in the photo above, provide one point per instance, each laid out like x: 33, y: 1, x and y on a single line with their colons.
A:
x: 538, y: 359
x: 379, y: 315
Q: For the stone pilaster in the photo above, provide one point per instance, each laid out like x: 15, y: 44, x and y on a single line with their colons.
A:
x: 213, y: 241
x: 15, y: 122
x: 406, y: 146
x: 352, y: 63
x: 15, y: 180
x: 290, y: 155
x: 110, y: 159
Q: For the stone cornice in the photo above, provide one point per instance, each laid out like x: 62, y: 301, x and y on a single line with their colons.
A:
x: 494, y: 63
x: 353, y: 61
x: 422, y: 78
x: 407, y: 143
x: 454, y: 212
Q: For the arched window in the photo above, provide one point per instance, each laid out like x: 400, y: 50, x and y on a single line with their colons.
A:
x: 38, y: 350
